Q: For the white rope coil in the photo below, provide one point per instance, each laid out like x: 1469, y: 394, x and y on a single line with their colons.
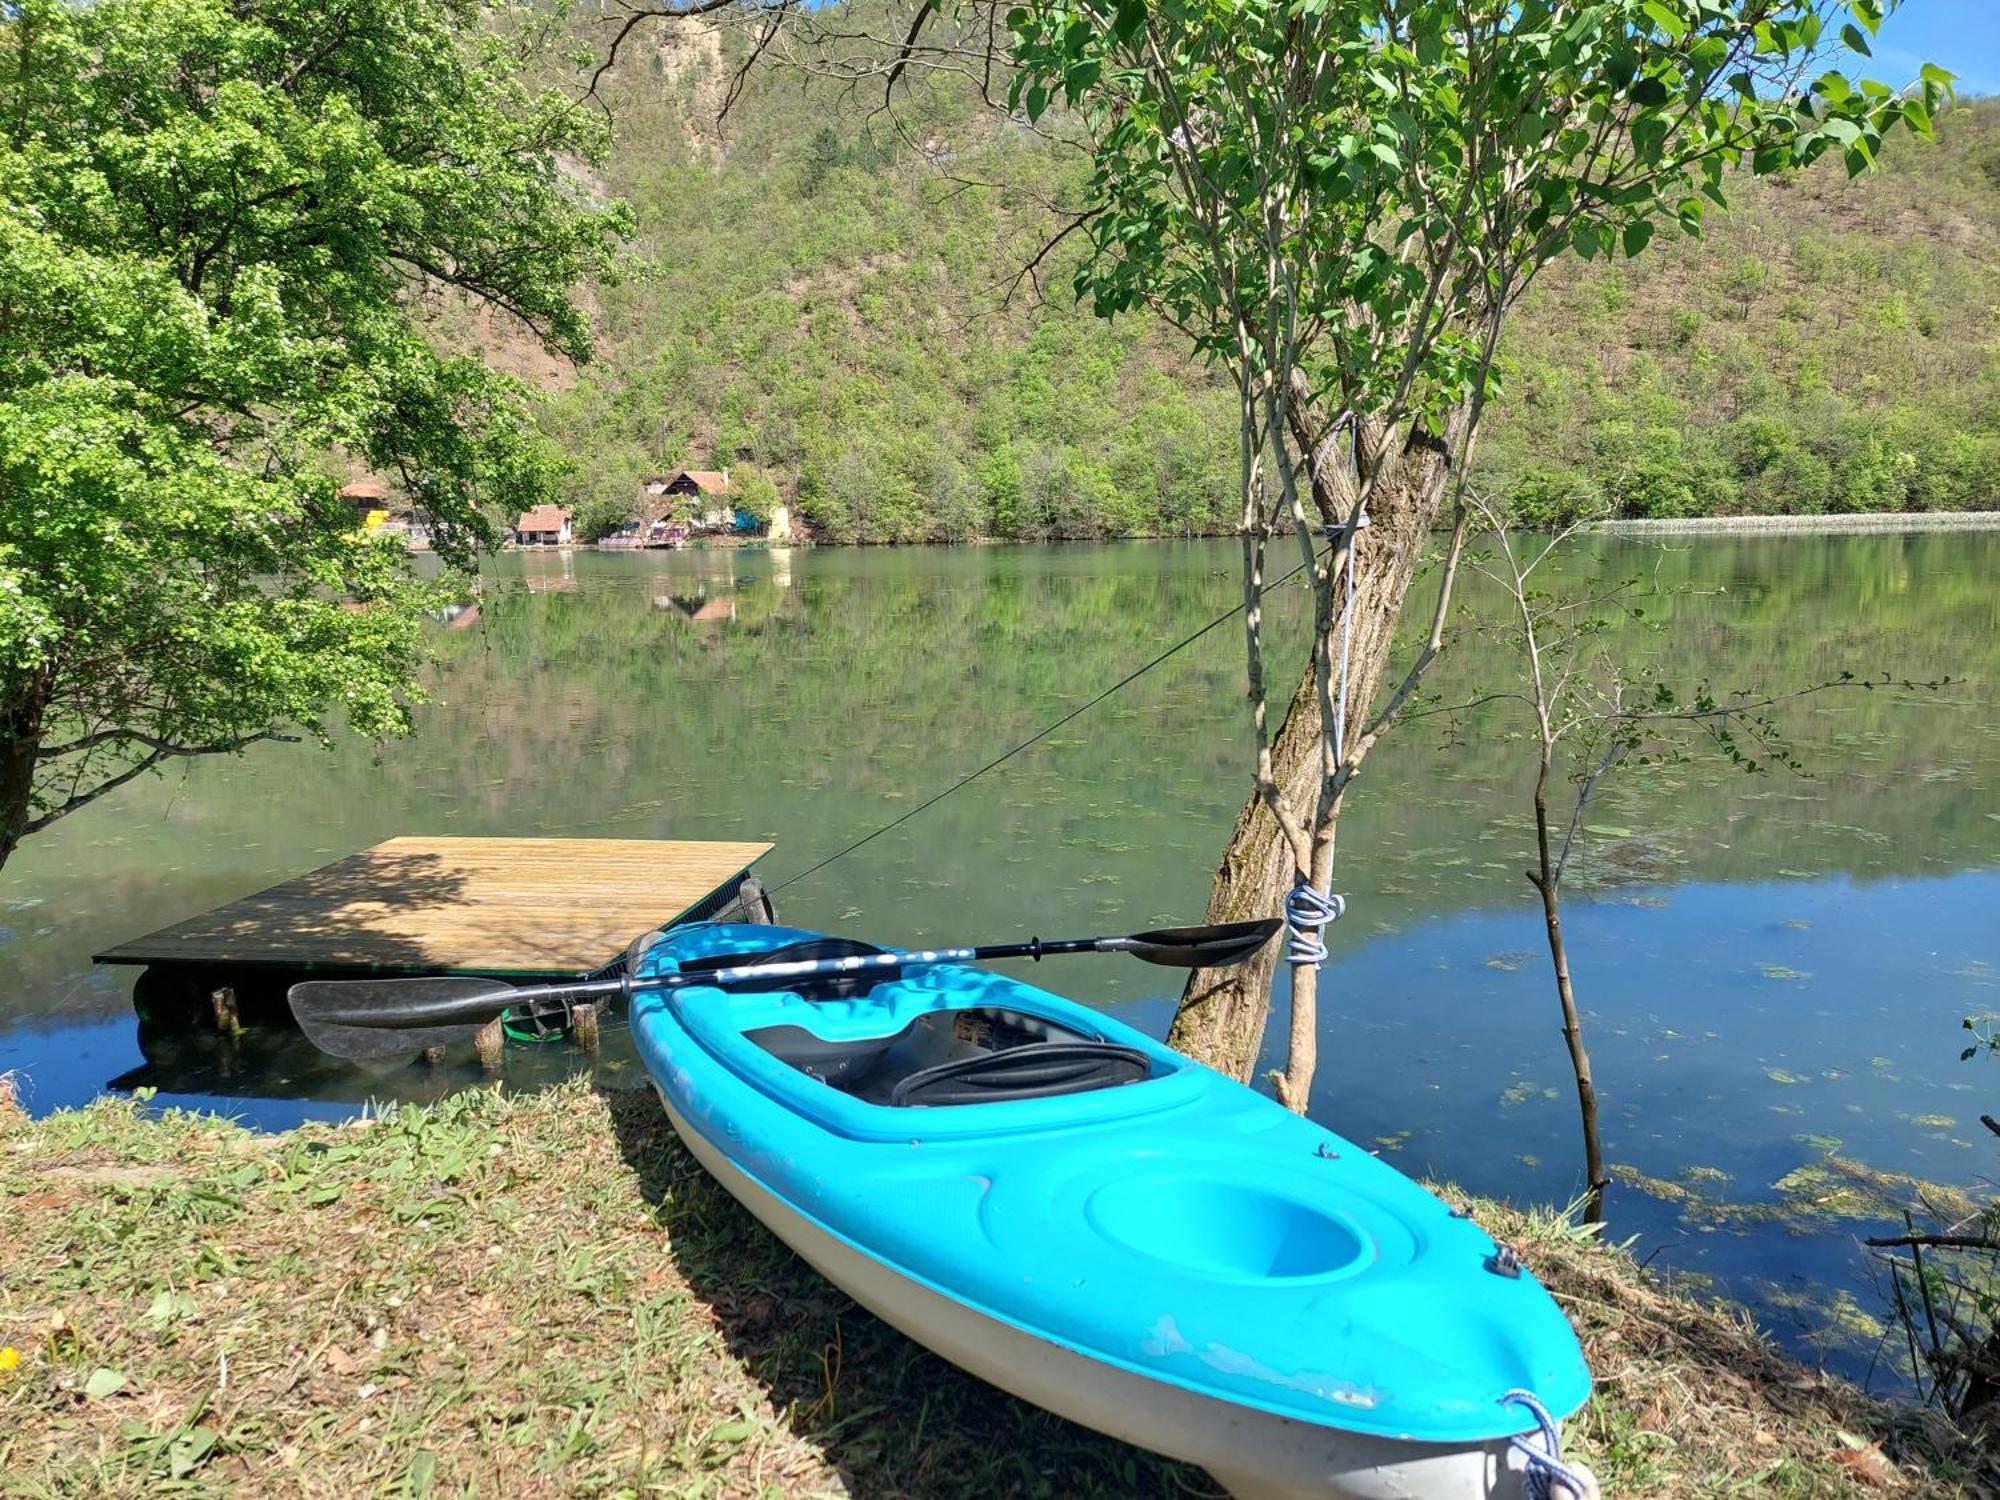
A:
x: 1547, y: 1476
x: 1307, y: 911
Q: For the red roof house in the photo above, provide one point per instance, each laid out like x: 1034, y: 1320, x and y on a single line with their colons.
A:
x: 544, y: 526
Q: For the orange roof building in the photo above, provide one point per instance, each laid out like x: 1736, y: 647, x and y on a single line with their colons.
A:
x: 545, y: 525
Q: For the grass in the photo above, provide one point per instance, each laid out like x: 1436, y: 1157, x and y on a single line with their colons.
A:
x: 543, y: 1295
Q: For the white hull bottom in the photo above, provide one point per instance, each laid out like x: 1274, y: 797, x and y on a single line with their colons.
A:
x: 1255, y: 1455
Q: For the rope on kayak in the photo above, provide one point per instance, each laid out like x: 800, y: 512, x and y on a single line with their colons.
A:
x: 1041, y: 734
x: 1543, y: 1451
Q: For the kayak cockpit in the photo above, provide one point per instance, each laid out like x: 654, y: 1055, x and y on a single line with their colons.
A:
x: 951, y: 1044
x: 977, y: 1054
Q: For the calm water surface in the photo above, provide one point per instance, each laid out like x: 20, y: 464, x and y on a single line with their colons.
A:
x: 1775, y: 968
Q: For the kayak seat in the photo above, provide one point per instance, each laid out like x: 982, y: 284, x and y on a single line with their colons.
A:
x: 975, y: 1054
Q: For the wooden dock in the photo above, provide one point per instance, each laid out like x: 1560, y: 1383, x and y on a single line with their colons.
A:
x: 515, y: 907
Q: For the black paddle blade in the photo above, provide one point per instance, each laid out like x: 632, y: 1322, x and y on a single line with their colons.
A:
x: 373, y: 1020
x: 1201, y: 947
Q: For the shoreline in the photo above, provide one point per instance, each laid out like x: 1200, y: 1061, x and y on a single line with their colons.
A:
x: 543, y: 1294
x: 1861, y: 523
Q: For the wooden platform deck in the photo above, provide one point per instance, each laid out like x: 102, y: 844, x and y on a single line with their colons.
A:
x: 453, y: 905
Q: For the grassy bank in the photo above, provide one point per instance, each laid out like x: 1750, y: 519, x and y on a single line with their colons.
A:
x: 544, y: 1295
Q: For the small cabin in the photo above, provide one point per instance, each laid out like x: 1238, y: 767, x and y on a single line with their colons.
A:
x: 544, y: 526
x: 704, y: 492
x: 377, y: 511
x: 369, y: 502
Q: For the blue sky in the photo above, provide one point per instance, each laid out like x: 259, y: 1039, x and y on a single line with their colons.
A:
x: 1962, y: 35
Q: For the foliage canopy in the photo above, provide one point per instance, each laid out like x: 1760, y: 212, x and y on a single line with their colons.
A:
x: 1338, y: 202
x: 224, y: 229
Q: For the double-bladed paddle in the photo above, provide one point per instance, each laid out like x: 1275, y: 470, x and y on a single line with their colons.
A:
x: 372, y: 1020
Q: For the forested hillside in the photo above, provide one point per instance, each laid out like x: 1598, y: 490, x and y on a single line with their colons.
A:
x: 832, y: 298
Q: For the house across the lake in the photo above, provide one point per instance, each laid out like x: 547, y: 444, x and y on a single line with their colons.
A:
x: 375, y: 509
x: 370, y: 502
x: 544, y: 526
x: 703, y: 493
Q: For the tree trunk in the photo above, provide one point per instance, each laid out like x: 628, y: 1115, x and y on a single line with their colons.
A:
x: 1222, y: 1013
x: 1221, y: 1016
x: 20, y: 739
x: 1544, y: 882
x: 1579, y: 1059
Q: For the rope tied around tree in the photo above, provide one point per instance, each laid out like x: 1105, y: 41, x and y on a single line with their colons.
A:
x: 1547, y: 1477
x: 1307, y: 911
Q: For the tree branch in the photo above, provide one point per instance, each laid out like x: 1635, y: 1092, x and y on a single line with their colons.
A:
x: 162, y: 751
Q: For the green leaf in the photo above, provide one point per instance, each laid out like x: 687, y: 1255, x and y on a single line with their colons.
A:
x: 1768, y: 159
x: 187, y: 1452
x: 1850, y: 34
x: 1638, y: 234
x: 1079, y: 76
x: 1037, y: 102
x: 1649, y: 136
x: 103, y: 1382
x: 423, y: 1473
x: 1666, y: 18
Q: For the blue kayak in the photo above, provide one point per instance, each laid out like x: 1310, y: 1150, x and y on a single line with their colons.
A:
x: 1084, y: 1217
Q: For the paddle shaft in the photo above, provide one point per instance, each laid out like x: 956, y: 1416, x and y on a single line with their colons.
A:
x: 468, y: 1009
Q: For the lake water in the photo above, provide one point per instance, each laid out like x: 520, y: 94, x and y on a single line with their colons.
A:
x: 1775, y: 969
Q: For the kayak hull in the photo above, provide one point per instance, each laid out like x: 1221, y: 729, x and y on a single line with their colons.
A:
x: 1145, y: 1246
x: 1255, y: 1455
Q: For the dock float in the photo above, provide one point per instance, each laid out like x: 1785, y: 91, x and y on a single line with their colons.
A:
x: 526, y: 908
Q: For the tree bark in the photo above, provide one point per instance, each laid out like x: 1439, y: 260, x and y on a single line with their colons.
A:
x: 1222, y: 1013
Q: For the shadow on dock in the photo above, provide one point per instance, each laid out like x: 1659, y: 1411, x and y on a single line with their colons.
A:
x: 371, y: 909
x: 893, y: 1419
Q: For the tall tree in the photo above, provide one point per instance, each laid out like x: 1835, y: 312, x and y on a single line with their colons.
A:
x: 1339, y: 201
x: 226, y: 233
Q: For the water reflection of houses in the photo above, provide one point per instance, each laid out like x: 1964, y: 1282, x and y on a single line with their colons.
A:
x: 549, y: 575
x: 699, y: 606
